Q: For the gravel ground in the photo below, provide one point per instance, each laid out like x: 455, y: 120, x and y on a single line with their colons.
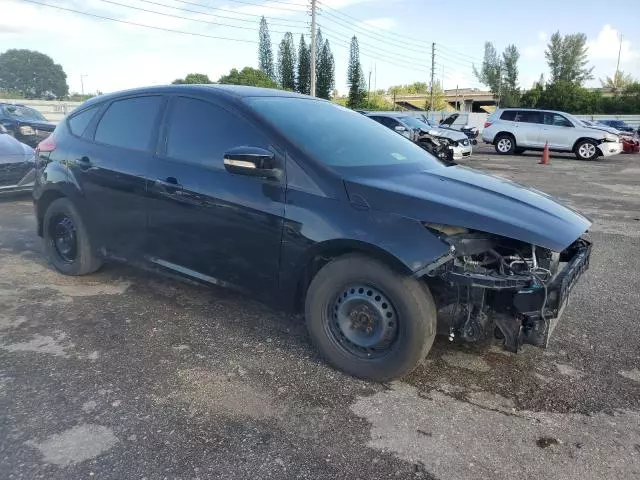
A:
x: 125, y: 374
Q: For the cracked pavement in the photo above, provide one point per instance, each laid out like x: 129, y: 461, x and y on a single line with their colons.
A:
x: 127, y: 374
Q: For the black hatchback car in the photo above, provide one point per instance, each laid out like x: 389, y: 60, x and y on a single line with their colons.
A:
x: 310, y: 206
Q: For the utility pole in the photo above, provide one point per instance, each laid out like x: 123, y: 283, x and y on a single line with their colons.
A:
x: 82, y: 83
x: 313, y: 47
x: 615, y: 77
x: 369, y: 89
x: 456, y: 98
x: 433, y: 72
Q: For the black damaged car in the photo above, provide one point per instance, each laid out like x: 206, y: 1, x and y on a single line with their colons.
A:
x: 312, y: 207
x: 24, y: 123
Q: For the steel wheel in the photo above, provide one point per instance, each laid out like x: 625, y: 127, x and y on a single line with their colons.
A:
x: 363, y: 321
x: 587, y: 150
x: 64, y: 239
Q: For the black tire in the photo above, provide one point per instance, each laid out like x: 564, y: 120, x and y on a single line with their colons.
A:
x: 81, y: 260
x: 505, y: 144
x: 586, y: 150
x: 409, y: 299
x: 519, y: 151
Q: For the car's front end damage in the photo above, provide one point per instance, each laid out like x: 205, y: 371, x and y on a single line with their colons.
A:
x: 490, y: 285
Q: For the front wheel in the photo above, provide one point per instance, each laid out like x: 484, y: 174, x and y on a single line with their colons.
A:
x: 67, y: 241
x: 368, y: 320
x: 586, y: 150
x: 505, y: 144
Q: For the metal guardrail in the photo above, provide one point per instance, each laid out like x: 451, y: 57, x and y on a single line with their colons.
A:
x: 53, y: 110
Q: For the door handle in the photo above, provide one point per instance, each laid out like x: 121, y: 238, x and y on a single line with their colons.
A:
x: 169, y: 184
x: 84, y: 163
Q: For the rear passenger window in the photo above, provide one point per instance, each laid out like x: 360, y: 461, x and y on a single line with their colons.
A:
x: 79, y: 121
x: 129, y: 123
x: 526, y: 116
x: 509, y: 115
x: 200, y: 132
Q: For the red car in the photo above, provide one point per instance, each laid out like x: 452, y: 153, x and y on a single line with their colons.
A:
x: 630, y: 145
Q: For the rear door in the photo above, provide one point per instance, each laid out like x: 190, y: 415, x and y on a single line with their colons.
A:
x: 528, y: 124
x: 111, y: 159
x: 558, y: 131
x: 204, y: 221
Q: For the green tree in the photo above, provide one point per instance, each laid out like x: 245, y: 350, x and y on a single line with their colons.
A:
x: 287, y: 63
x: 326, y: 72
x: 567, y: 58
x: 411, y: 89
x: 531, y: 98
x: 355, y: 76
x: 248, y: 76
x: 31, y: 74
x: 193, y: 78
x: 439, y: 101
x: 619, y: 82
x: 490, y: 72
x: 303, y: 84
x: 265, y: 53
x: 509, y: 90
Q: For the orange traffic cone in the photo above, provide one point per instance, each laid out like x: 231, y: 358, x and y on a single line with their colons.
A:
x: 545, y: 155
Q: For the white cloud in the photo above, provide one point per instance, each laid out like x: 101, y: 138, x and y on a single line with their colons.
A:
x: 607, y: 44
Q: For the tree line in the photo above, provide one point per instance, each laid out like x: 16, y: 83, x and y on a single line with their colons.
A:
x: 568, y: 62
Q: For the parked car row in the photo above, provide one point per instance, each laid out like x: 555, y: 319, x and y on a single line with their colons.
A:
x: 446, y: 144
x: 514, y: 130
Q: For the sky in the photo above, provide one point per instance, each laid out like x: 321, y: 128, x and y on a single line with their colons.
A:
x: 395, y: 37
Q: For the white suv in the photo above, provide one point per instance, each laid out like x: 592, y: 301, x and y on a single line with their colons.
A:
x: 514, y: 130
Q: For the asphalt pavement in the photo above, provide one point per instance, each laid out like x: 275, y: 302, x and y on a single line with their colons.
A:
x: 126, y: 374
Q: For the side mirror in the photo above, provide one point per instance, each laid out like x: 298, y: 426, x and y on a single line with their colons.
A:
x: 251, y: 161
x: 400, y: 128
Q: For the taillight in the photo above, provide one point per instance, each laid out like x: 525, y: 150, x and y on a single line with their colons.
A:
x: 487, y: 124
x: 46, y: 145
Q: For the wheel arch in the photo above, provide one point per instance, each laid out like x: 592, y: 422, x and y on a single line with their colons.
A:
x: 502, y: 133
x: 582, y: 139
x: 322, y: 253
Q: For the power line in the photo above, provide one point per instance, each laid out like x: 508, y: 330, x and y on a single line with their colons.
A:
x: 194, y: 34
x: 454, y: 52
x: 264, y: 5
x: 367, y: 33
x: 405, y: 38
x: 217, y: 15
x: 377, y: 56
x: 217, y: 24
x: 411, y: 59
x: 235, y: 12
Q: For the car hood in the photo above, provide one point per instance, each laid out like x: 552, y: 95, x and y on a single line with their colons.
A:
x: 13, y: 151
x: 463, y: 197
x: 456, y: 135
x: 450, y: 119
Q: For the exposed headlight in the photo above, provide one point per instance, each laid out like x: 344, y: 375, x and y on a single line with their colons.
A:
x: 610, y: 137
x: 26, y: 130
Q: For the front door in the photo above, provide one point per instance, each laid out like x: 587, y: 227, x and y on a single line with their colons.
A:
x: 204, y: 221
x: 111, y: 160
x: 557, y: 131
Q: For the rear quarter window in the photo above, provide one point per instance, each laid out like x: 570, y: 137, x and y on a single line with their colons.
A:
x: 509, y: 115
x: 78, y: 122
x: 129, y: 123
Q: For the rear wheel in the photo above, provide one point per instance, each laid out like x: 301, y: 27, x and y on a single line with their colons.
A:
x: 368, y: 320
x: 505, y: 144
x: 586, y: 150
x: 67, y: 241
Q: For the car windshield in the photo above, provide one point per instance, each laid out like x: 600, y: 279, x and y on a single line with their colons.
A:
x: 23, y: 113
x: 339, y: 137
x: 413, y: 122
